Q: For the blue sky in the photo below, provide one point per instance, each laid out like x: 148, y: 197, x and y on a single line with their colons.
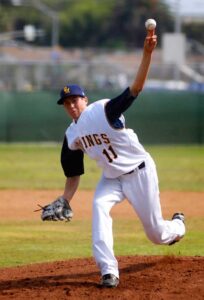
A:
x: 188, y: 7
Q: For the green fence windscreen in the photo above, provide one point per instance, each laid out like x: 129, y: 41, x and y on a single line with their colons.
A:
x: 158, y: 117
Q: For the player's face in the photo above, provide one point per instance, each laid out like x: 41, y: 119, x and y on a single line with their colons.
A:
x: 74, y: 105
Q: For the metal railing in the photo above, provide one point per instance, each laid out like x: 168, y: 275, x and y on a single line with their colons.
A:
x: 50, y: 75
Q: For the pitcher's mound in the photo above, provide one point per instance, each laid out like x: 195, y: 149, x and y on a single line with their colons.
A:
x: 141, y: 277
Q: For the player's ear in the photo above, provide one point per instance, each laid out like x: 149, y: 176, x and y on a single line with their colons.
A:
x: 86, y: 100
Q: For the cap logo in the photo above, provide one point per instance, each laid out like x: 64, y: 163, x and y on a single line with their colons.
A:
x: 66, y: 90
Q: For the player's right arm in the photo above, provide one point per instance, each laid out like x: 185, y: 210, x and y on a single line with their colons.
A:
x: 71, y: 185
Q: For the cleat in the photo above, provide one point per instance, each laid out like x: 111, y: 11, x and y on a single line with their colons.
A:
x: 109, y: 280
x: 177, y: 216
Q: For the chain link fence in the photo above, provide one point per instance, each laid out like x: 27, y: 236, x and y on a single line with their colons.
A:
x: 102, y: 71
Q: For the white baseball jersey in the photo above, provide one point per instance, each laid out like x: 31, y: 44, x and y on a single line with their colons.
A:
x: 117, y: 151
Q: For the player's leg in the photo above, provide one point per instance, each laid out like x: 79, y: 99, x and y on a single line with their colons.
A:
x: 108, y: 193
x: 141, y: 189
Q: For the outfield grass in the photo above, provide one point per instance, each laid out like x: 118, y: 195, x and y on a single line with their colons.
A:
x: 32, y: 242
x: 37, y: 166
x: 31, y: 166
x: 180, y: 168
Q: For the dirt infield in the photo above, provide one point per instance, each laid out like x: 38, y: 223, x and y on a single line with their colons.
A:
x: 141, y: 277
x: 22, y: 203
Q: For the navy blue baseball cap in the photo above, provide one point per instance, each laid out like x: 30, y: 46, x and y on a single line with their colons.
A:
x: 70, y: 90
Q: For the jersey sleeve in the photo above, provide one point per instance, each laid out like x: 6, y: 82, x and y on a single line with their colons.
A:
x: 116, y: 106
x: 72, y: 161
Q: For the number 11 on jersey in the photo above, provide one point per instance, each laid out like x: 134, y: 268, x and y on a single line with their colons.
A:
x: 110, y: 154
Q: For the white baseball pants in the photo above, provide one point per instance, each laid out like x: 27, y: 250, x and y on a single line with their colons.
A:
x: 141, y: 190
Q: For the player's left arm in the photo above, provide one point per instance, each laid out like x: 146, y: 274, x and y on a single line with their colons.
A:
x: 139, y: 81
x: 116, y: 106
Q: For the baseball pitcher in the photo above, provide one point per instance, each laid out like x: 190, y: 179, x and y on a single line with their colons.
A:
x: 128, y: 171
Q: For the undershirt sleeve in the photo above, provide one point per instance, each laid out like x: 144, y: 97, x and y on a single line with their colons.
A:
x: 72, y: 161
x: 116, y: 106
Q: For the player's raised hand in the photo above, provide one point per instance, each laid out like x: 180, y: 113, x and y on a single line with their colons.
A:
x: 151, y: 39
x: 150, y: 43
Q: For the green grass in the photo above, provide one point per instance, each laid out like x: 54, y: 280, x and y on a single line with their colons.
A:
x: 37, y: 166
x: 32, y: 242
x: 131, y: 239
x: 180, y: 167
x: 24, y: 243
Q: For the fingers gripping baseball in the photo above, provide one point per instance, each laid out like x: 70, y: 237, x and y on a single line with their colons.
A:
x: 151, y: 39
x: 150, y: 43
x: 150, y: 25
x: 58, y: 210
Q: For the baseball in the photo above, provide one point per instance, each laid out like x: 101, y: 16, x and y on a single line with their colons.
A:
x: 150, y: 24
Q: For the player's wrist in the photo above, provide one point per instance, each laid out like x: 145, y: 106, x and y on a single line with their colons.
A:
x: 64, y: 198
x: 147, y: 51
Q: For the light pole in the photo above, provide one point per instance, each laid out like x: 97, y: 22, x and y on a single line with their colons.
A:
x: 48, y: 12
x: 177, y: 25
x: 177, y: 30
x: 55, y: 20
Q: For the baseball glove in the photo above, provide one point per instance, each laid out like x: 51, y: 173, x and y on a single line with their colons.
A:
x: 57, y: 210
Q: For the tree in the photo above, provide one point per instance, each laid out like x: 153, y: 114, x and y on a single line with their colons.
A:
x: 129, y: 17
x: 112, y: 23
x: 194, y: 31
x: 85, y: 23
x: 96, y: 23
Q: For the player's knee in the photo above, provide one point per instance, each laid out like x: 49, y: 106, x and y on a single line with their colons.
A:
x: 155, y: 234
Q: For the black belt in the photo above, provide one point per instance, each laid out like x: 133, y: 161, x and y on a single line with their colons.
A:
x: 141, y: 166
